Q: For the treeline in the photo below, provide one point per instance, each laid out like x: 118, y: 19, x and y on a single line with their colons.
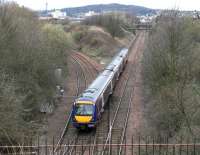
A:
x: 114, y: 23
x: 30, y: 52
x: 172, y: 76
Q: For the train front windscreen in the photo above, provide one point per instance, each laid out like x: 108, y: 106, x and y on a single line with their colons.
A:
x: 84, y: 109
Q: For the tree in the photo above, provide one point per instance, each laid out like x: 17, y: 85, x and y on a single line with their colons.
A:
x: 30, y: 53
x: 171, y: 62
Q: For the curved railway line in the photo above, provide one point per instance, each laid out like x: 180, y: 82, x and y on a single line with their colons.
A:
x: 84, y: 76
x: 112, y: 127
x: 80, y: 86
x: 89, y: 72
x: 92, y: 64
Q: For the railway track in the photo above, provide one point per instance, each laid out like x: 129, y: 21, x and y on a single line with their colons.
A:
x: 88, y: 68
x: 119, y: 118
x: 113, y: 105
x: 81, y: 83
x: 91, y: 63
x: 84, y: 76
x: 81, y: 76
x: 112, y: 126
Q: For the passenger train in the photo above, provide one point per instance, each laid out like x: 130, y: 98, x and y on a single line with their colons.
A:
x: 89, y: 106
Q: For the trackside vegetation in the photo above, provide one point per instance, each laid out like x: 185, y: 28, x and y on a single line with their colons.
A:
x: 30, y: 52
x: 115, y: 23
x: 172, y: 76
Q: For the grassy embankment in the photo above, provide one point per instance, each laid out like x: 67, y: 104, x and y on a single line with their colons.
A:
x: 100, y: 37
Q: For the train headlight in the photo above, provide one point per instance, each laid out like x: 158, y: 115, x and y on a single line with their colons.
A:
x: 74, y: 119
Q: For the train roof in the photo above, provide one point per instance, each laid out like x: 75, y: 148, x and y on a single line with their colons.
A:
x: 114, y: 64
x: 99, y: 84
x: 123, y: 52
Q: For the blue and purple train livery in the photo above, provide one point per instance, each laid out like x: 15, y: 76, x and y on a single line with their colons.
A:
x: 89, y: 106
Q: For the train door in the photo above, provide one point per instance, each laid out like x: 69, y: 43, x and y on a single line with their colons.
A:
x: 111, y: 86
x: 118, y: 72
x: 121, y: 67
x: 102, y: 102
x: 98, y: 110
x: 106, y: 93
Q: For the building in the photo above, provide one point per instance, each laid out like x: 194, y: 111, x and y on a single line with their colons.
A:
x: 90, y: 13
x: 57, y: 14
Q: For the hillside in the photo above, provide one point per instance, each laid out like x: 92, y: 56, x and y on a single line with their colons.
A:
x: 95, y: 42
x: 133, y: 9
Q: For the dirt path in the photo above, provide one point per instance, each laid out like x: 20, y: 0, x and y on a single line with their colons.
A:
x: 136, y: 119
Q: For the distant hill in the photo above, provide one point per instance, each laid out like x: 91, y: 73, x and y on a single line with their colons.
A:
x: 133, y: 9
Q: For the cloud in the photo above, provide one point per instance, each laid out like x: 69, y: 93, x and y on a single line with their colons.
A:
x: 156, y: 4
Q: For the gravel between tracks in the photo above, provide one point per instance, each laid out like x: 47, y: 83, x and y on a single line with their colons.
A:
x: 57, y: 120
x: 135, y: 118
x: 132, y: 69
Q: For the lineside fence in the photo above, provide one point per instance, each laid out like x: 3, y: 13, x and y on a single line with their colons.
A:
x: 144, y: 146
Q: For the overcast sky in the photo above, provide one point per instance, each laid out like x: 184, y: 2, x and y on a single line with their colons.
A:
x: 156, y: 4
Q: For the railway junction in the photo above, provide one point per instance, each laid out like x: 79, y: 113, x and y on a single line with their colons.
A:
x: 113, y: 126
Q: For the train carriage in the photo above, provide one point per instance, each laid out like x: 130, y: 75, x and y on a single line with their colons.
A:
x: 89, y: 106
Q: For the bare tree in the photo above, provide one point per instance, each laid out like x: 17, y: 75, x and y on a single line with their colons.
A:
x: 170, y: 65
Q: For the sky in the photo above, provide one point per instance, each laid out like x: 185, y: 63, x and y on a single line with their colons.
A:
x: 155, y: 4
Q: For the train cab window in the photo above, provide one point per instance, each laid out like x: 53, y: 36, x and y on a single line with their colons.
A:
x: 84, y: 109
x: 90, y: 90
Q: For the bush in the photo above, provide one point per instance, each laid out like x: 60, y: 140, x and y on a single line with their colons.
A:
x: 30, y: 53
x: 77, y: 36
x: 171, y: 68
x: 111, y: 22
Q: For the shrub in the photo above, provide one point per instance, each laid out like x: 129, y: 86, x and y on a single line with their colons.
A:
x: 111, y: 22
x: 171, y: 64
x: 30, y: 53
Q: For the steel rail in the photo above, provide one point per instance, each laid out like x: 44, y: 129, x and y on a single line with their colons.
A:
x: 78, y: 89
x: 69, y: 117
x: 80, y: 139
x: 81, y: 68
x: 115, y: 115
x: 86, y: 65
x: 87, y: 61
x: 68, y: 150
x: 72, y: 148
x: 129, y: 106
x: 126, y: 123
x: 109, y: 135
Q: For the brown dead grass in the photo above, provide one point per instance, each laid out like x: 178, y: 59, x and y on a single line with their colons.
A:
x: 96, y: 42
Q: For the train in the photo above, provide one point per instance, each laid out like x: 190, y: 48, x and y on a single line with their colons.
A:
x: 89, y: 105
